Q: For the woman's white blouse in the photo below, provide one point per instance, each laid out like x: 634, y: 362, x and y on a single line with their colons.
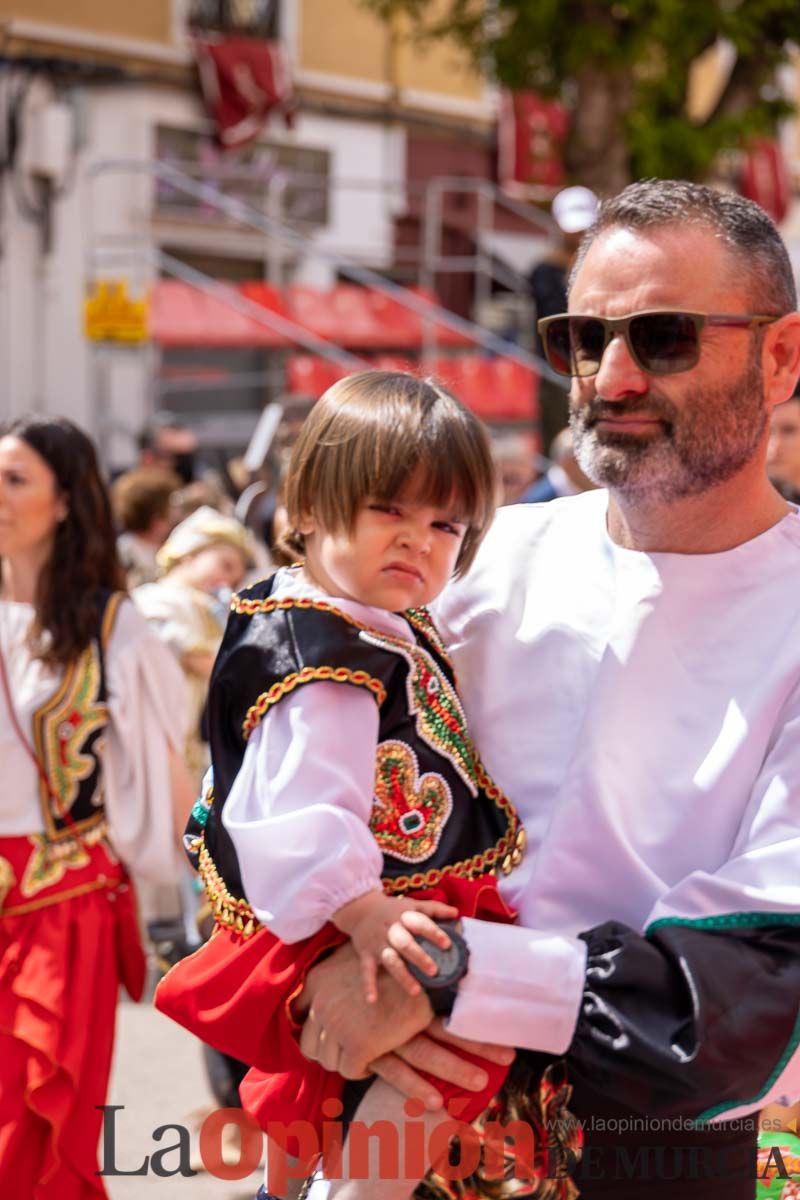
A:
x: 147, y: 706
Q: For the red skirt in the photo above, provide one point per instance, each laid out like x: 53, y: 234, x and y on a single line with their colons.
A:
x: 235, y: 994
x: 65, y: 941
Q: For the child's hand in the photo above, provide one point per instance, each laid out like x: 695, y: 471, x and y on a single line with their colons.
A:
x: 382, y: 930
x: 402, y: 938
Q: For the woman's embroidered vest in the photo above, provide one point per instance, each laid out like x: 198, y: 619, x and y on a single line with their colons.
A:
x: 67, y: 737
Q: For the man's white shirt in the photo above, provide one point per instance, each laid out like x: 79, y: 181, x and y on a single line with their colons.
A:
x: 642, y: 711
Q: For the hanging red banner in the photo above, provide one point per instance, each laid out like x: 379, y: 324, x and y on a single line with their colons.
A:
x: 243, y: 80
x: 531, y: 136
x: 765, y: 178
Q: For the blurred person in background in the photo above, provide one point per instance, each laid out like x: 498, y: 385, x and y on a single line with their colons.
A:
x: 260, y: 501
x: 562, y: 478
x: 208, y: 492
x: 91, y: 730
x: 573, y: 210
x: 783, y: 449
x: 516, y: 458
x: 144, y: 506
x: 168, y: 444
x: 203, y: 561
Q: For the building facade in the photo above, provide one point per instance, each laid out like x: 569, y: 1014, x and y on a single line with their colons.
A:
x: 101, y: 99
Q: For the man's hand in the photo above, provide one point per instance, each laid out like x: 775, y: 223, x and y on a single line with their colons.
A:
x: 432, y: 1055
x: 344, y: 1032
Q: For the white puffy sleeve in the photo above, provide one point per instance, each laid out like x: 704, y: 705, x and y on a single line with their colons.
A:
x: 148, y: 711
x: 298, y: 812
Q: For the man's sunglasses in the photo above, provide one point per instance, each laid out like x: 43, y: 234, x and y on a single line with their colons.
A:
x: 661, y: 343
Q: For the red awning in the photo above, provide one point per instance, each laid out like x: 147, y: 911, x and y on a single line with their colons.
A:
x: 363, y: 319
x: 496, y: 389
x: 353, y: 317
x: 181, y: 315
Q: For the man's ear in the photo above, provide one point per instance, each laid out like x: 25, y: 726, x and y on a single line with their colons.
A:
x: 781, y: 359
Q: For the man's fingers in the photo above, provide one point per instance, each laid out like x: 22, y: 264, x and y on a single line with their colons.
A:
x: 502, y: 1055
x: 403, y: 1077
x: 309, y: 1036
x: 442, y: 1062
x: 319, y: 1046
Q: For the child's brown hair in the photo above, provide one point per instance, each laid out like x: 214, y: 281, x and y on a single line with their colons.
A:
x: 369, y: 434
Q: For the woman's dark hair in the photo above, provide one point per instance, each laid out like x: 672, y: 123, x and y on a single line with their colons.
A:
x: 84, y: 560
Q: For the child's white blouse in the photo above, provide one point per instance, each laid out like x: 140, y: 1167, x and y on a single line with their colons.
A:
x: 298, y: 812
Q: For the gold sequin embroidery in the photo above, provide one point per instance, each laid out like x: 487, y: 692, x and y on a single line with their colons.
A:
x: 308, y: 675
x: 50, y: 861
x: 409, y: 813
x: 7, y: 879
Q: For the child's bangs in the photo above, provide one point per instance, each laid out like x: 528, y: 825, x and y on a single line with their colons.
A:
x: 442, y: 482
x: 390, y: 436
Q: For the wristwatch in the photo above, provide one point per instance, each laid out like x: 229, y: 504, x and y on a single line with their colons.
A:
x: 442, y: 988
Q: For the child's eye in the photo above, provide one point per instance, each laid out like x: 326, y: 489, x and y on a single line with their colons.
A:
x: 386, y: 508
x: 449, y: 527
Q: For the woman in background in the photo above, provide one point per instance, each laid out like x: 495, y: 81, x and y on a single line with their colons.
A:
x: 92, y: 711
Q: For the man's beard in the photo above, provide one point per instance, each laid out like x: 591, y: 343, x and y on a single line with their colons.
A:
x: 699, y: 445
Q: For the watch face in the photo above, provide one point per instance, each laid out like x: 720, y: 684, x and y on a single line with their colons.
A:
x: 450, y: 962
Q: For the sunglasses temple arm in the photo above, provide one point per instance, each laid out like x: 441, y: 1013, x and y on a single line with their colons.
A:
x: 742, y: 321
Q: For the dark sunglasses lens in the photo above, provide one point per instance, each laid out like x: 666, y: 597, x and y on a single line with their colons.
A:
x: 664, y: 343
x: 557, y: 345
x: 588, y: 344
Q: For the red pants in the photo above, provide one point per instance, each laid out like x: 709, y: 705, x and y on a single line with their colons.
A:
x: 58, y: 993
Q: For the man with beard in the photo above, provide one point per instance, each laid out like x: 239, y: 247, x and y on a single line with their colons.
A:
x: 630, y: 664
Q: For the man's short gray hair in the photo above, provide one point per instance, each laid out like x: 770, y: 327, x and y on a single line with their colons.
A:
x: 741, y: 225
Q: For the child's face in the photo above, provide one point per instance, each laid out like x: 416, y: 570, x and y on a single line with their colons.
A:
x: 399, y: 554
x: 218, y: 566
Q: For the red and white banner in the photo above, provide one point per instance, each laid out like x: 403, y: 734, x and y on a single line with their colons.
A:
x: 765, y: 178
x: 531, y: 139
x: 243, y: 80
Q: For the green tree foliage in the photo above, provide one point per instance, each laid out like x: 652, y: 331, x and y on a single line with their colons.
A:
x: 622, y: 67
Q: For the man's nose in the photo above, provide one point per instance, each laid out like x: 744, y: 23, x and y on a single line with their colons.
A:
x: 619, y: 375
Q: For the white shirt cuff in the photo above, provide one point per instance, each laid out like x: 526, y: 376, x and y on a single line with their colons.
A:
x: 523, y: 988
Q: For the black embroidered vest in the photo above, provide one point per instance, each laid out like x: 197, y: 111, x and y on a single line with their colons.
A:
x: 434, y: 811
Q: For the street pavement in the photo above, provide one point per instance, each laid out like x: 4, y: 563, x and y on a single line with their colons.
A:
x: 159, y: 1079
